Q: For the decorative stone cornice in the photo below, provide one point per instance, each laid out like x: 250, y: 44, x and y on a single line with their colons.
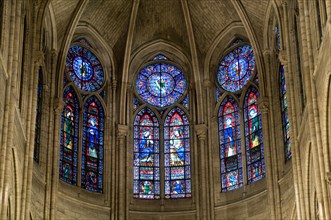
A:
x: 122, y: 130
x: 201, y: 130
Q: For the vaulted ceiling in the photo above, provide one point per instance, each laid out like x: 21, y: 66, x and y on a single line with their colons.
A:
x: 158, y: 19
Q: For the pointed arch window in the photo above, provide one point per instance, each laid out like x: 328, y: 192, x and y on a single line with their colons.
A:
x: 253, y: 137
x: 238, y: 80
x: 69, y: 137
x: 92, y: 148
x: 38, y: 116
x: 284, y: 111
x: 146, y: 155
x: 161, y: 101
x: 230, y: 146
x: 84, y: 80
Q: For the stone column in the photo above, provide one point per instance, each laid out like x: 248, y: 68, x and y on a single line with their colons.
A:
x: 313, y: 118
x: 113, y: 148
x: 58, y: 109
x: 201, y: 131
x: 122, y: 131
x: 269, y: 157
x: 54, y: 104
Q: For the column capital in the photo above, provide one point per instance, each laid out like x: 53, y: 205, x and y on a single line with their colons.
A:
x: 283, y: 57
x: 266, y: 52
x: 58, y: 105
x: 38, y: 58
x: 122, y: 130
x: 264, y: 104
x: 206, y: 83
x: 201, y: 130
x: 328, y: 178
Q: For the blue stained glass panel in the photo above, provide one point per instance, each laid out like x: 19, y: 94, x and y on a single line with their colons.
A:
x: 38, y: 117
x: 236, y: 68
x: 84, y: 69
x: 177, y: 155
x: 284, y: 110
x: 230, y: 149
x: 253, y: 137
x: 160, y: 57
x: 277, y: 37
x: 92, y: 148
x: 160, y: 84
x: 83, y: 41
x: 69, y: 137
x: 146, y: 156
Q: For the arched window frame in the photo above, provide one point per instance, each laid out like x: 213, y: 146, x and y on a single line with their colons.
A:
x: 99, y: 95
x: 161, y: 113
x: 221, y: 96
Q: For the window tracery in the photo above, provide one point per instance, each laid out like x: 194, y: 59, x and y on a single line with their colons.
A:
x: 161, y: 97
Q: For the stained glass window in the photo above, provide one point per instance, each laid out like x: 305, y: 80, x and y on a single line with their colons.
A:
x: 236, y: 68
x: 69, y: 137
x: 160, y: 57
x: 84, y: 69
x: 146, y: 156
x: 277, y: 37
x: 92, y: 148
x: 160, y: 84
x: 230, y: 147
x: 284, y: 110
x: 185, y: 103
x: 177, y: 155
x: 253, y: 137
x: 83, y: 41
x: 38, y: 117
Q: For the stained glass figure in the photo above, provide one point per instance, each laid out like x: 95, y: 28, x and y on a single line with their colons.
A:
x: 38, y: 117
x: 146, y: 169
x: 84, y: 69
x: 160, y: 57
x: 236, y: 68
x: 92, y: 147
x: 284, y: 110
x: 160, y: 84
x: 277, y: 37
x: 69, y: 137
x: 185, y: 103
x: 230, y: 148
x: 83, y: 41
x: 177, y: 155
x: 253, y: 137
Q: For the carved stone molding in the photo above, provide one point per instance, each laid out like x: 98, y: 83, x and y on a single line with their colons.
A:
x: 38, y: 58
x: 328, y: 178
x: 264, y: 104
x: 201, y: 130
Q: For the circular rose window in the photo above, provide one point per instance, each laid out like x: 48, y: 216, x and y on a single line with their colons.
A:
x: 160, y: 84
x: 236, y: 68
x: 84, y: 69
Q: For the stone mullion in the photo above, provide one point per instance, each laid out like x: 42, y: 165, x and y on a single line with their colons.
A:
x: 296, y: 166
x: 312, y: 110
x: 121, y: 135
x: 201, y: 131
x: 210, y: 177
x: 113, y: 150
x: 269, y: 156
x: 58, y: 108
x: 50, y: 138
x: 328, y: 11
x: 10, y: 109
x: 272, y: 162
